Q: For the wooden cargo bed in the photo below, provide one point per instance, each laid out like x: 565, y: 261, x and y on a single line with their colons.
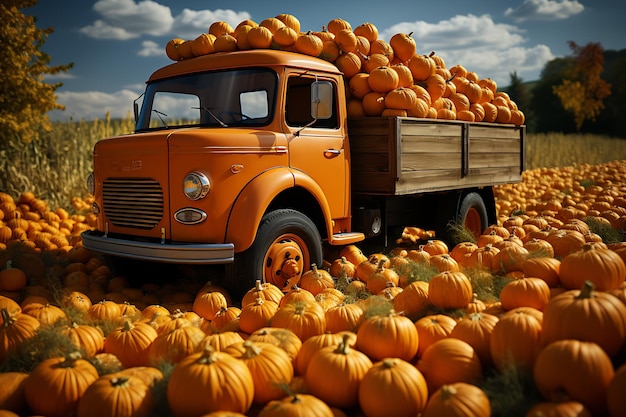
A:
x: 404, y: 155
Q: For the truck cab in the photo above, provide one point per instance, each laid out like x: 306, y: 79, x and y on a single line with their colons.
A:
x: 238, y: 157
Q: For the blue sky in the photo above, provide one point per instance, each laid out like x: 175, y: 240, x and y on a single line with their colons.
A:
x: 116, y: 44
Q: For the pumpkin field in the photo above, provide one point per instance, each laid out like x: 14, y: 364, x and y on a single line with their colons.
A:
x: 527, y: 319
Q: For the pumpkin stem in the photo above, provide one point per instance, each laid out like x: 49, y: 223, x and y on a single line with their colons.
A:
x: 586, y: 291
x: 448, y: 391
x: 251, y: 350
x: 344, y: 346
x: 258, y: 285
x: 7, y: 319
x: 381, y: 263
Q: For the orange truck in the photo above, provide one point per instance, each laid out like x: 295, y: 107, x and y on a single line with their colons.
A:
x: 249, y: 159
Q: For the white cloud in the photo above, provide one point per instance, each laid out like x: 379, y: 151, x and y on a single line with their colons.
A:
x: 151, y: 48
x: 127, y: 19
x: 190, y: 23
x: 544, y: 10
x: 94, y: 104
x: 479, y: 44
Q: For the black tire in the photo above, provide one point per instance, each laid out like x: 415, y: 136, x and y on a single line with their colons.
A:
x: 281, y: 233
x: 472, y: 213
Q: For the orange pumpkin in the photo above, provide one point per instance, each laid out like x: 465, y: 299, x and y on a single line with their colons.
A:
x: 458, y: 399
x: 393, y: 387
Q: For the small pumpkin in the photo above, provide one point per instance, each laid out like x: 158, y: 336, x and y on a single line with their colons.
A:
x: 458, y: 399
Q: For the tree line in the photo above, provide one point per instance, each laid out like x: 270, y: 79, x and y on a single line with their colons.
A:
x: 581, y: 93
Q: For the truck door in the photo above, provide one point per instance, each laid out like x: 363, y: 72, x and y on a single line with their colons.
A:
x: 317, y: 148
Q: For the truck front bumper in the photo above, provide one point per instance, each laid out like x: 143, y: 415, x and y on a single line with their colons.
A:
x: 175, y: 253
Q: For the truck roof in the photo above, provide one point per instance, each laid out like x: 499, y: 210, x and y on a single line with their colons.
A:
x: 238, y: 59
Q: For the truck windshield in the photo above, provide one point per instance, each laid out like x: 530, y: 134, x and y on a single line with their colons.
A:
x: 229, y: 98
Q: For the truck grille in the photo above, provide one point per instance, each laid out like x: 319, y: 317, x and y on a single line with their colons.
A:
x: 133, y: 202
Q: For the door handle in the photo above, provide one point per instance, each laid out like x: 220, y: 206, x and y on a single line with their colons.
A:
x: 333, y: 151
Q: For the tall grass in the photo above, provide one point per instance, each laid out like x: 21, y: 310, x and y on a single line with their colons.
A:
x: 56, y: 166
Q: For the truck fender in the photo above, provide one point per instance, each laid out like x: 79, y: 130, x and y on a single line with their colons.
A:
x: 253, y: 201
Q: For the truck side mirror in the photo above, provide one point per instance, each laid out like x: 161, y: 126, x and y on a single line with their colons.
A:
x: 321, y: 100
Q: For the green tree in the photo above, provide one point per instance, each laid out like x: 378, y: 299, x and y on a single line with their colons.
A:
x: 25, y: 98
x: 518, y: 92
x: 583, y: 89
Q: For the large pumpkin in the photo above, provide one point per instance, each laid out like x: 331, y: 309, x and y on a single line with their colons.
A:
x: 334, y: 373
x: 516, y: 338
x: 603, y: 267
x: 270, y: 366
x: 586, y: 314
x: 458, y: 399
x: 579, y: 370
x: 450, y: 360
x: 115, y: 395
x: 392, y: 335
x: 209, y: 381
x: 393, y: 387
x: 450, y: 289
x: 56, y: 385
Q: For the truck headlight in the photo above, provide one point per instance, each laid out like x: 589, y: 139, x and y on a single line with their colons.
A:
x: 196, y: 185
x: 91, y: 184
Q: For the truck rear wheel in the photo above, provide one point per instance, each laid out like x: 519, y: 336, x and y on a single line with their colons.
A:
x: 472, y: 213
x: 286, y: 244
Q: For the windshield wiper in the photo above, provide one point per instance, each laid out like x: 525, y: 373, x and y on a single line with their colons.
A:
x: 159, y: 114
x: 217, y: 119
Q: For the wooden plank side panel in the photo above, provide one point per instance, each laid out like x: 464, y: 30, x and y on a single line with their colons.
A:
x: 431, y: 157
x: 436, y: 180
x: 373, y: 153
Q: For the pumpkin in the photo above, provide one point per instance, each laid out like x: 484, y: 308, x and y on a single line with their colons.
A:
x: 305, y: 319
x: 450, y: 289
x: 283, y: 338
x: 383, y: 79
x: 344, y: 317
x: 458, y: 399
x: 476, y: 329
x: 14, y: 330
x: 588, y: 315
x: 220, y: 341
x: 116, y: 395
x: 105, y: 310
x: 131, y: 343
x: 444, y: 262
x: 172, y: 346
x: 260, y: 37
x: 171, y: 49
x: 516, y: 339
x: 373, y: 104
x: 257, y: 315
x: 381, y: 278
x: 579, y: 370
x: 368, y: 30
x: 558, y: 409
x: 309, y: 44
x: 56, y: 385
x: 346, y: 40
x: 209, y: 381
x: 12, y: 279
x: 544, y: 267
x: 90, y: 339
x: 603, y: 267
x: 353, y: 254
x: 316, y: 280
x: 224, y: 316
x: 390, y: 335
x: 270, y: 366
x: 218, y: 28
x: 47, y: 314
x: 225, y: 43
x: 209, y: 300
x: 334, y: 373
x: 401, y: 98
x: 615, y: 400
x: 413, y: 301
x: 432, y: 328
x: 12, y: 393
x: 422, y: 67
x: 393, y: 387
x: 203, y: 44
x: 525, y: 292
x: 302, y: 405
x: 450, y: 360
x: 403, y: 45
x: 312, y: 345
x: 341, y: 266
x: 265, y: 290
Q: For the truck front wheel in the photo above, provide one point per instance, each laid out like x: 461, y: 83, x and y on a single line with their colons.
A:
x: 286, y: 244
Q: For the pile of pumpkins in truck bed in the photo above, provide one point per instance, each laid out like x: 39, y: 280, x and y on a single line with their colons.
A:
x: 383, y: 78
